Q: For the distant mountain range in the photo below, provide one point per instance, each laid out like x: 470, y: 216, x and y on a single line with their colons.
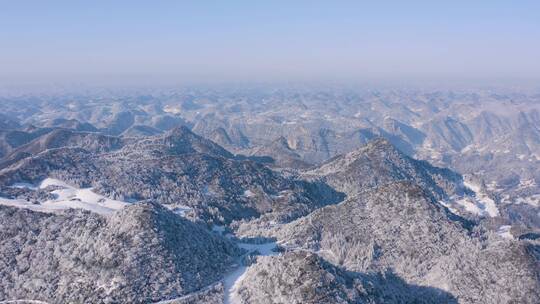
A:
x: 271, y: 196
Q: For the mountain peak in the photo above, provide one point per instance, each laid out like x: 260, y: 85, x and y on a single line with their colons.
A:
x: 378, y: 163
x: 398, y: 227
x: 281, y: 154
x: 179, y: 131
x: 182, y: 140
x: 380, y: 143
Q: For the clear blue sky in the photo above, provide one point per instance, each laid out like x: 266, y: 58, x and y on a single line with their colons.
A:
x: 268, y: 40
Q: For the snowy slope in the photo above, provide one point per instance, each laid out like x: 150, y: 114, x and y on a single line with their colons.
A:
x: 232, y: 280
x: 483, y: 202
x: 66, y: 197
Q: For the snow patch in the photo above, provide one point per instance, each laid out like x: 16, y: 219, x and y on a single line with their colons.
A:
x: 22, y: 204
x: 479, y: 204
x: 248, y: 193
x: 483, y: 204
x: 471, y: 206
x: 179, y: 209
x: 533, y: 200
x: 23, y: 301
x: 449, y: 206
x: 428, y: 149
x: 231, y: 281
x: 468, y: 148
x: 67, y: 197
x: 504, y: 231
x: 529, y: 183
x: 493, y: 186
x: 172, y: 109
x: 24, y: 186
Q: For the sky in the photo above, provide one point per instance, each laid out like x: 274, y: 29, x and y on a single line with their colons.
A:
x: 283, y: 41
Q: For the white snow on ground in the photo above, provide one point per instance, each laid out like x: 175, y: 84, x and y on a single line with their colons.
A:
x: 493, y: 186
x: 179, y: 209
x: 533, y: 200
x: 449, y: 206
x: 528, y: 183
x: 249, y: 193
x: 172, y: 109
x: 25, y: 301
x: 24, y: 185
x: 504, y: 231
x: 428, y: 149
x: 484, y: 205
x: 188, y: 296
x: 67, y: 197
x: 468, y: 148
x: 479, y: 204
x: 471, y: 206
x: 53, y: 182
x: 231, y: 280
x: 22, y: 204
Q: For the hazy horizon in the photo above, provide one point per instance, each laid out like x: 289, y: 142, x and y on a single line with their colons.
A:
x: 166, y: 42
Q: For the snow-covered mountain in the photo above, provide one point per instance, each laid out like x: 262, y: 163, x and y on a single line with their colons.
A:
x: 399, y: 227
x: 143, y: 253
x: 271, y: 195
